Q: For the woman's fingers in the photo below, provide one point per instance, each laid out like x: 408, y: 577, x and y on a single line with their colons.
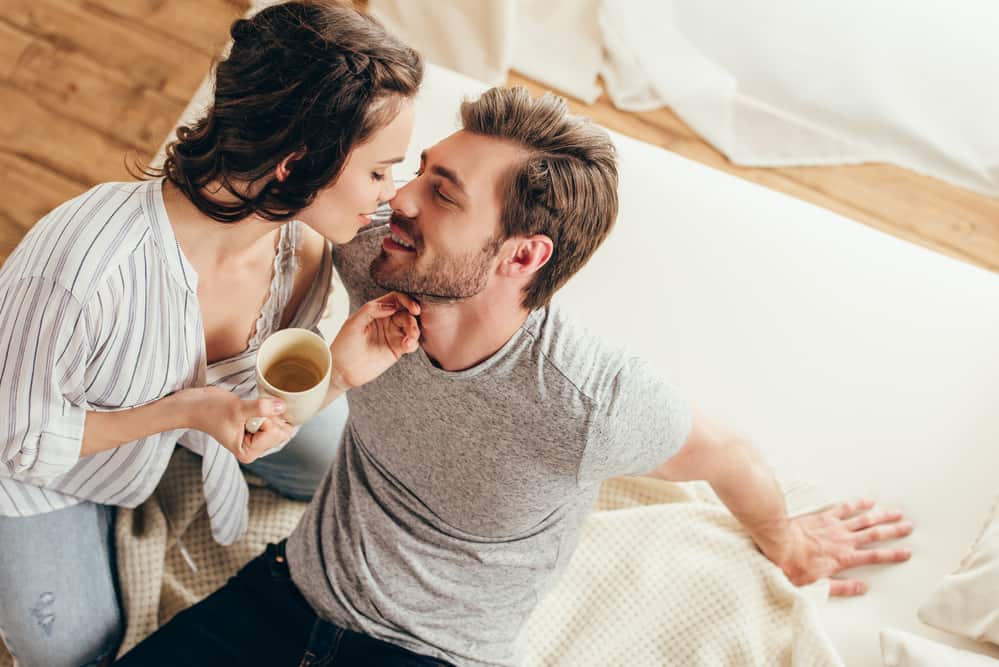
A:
x: 403, y: 301
x: 272, y: 433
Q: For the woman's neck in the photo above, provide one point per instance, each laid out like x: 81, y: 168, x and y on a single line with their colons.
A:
x: 209, y: 243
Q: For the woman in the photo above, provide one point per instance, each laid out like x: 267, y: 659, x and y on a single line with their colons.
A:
x: 154, y: 296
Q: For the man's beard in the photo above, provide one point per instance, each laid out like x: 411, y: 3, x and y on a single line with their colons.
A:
x: 450, y: 278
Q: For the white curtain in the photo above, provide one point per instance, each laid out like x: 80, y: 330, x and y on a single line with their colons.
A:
x: 768, y: 82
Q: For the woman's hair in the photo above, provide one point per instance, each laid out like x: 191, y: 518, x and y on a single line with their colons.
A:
x: 308, y: 79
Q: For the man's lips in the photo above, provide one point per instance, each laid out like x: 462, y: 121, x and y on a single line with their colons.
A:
x: 397, y: 240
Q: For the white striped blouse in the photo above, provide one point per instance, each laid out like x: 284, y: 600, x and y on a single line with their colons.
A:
x: 99, y: 311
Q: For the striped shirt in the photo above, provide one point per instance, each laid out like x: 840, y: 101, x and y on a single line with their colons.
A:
x: 99, y: 311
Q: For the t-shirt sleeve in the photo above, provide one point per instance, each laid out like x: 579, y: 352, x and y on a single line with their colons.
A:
x: 639, y: 421
x: 44, y: 349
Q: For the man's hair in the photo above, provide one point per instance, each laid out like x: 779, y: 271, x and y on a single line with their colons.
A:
x: 565, y: 188
x: 314, y: 77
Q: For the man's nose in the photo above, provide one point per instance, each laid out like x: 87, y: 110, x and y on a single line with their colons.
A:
x: 404, y: 200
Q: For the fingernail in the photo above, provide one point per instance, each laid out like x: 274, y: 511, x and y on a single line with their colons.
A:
x: 279, y: 406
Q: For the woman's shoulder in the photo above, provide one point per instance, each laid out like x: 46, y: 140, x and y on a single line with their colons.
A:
x: 84, y: 237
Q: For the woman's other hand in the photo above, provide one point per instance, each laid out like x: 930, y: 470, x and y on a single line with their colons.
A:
x: 374, y: 338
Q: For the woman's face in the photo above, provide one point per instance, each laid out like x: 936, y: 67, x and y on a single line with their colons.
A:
x: 340, y: 210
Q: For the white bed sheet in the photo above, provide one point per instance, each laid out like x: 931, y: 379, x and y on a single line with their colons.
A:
x: 855, y: 360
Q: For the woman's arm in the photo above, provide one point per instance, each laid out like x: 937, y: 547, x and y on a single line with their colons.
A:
x: 217, y: 412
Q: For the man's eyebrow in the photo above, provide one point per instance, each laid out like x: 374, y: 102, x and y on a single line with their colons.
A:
x: 449, y: 174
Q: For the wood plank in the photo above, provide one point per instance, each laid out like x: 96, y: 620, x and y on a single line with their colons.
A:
x: 202, y: 27
x: 65, y: 147
x: 917, y: 208
x: 30, y: 191
x: 144, y: 57
x: 66, y: 84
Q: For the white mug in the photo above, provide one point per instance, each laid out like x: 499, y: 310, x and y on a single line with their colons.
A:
x: 293, y: 365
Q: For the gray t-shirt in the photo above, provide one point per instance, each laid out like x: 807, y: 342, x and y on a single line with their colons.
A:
x: 457, y: 497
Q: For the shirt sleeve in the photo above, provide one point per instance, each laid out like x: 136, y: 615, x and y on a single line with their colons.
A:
x: 44, y: 347
x: 641, y: 421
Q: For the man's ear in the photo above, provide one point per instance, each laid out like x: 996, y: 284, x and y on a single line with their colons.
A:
x: 526, y: 256
x: 283, y: 168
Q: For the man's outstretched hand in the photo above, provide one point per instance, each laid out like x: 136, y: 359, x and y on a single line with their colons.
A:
x: 825, y: 543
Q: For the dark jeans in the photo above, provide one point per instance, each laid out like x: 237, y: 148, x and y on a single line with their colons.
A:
x: 260, y: 618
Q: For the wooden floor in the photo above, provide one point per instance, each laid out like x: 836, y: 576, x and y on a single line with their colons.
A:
x: 88, y: 86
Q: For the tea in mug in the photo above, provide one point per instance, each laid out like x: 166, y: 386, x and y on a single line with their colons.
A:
x: 293, y: 374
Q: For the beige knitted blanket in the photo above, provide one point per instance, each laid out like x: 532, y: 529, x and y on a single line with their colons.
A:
x: 663, y: 575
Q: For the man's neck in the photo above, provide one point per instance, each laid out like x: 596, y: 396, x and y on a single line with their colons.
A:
x: 461, y: 335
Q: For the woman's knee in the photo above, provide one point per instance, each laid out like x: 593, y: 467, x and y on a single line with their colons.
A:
x: 47, y: 630
x: 57, y: 583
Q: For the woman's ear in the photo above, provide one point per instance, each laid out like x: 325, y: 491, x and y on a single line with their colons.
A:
x: 529, y: 254
x: 283, y: 168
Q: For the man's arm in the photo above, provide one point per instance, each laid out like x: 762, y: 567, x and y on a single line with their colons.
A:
x: 806, y: 548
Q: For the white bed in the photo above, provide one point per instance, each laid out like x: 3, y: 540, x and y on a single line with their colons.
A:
x: 854, y: 359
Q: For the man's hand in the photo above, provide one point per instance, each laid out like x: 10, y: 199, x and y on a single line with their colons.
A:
x: 825, y: 543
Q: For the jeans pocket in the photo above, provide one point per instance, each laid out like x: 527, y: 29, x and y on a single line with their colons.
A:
x: 323, y: 644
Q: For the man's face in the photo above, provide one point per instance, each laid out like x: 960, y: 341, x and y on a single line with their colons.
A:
x: 445, y: 224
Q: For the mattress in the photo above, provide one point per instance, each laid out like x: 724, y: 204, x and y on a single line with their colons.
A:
x: 854, y: 360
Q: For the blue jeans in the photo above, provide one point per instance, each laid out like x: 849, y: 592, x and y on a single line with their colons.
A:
x: 58, y: 591
x: 59, y: 604
x: 260, y: 618
x: 296, y: 471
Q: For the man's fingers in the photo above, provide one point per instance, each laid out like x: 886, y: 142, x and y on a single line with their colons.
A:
x: 876, y: 557
x: 850, y: 508
x: 874, y: 518
x: 883, y: 533
x: 846, y: 587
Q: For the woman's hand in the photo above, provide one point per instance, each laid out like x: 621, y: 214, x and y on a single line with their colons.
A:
x: 223, y: 415
x: 374, y: 338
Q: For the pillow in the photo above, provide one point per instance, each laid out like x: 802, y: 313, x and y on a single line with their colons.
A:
x: 901, y: 649
x: 966, y: 602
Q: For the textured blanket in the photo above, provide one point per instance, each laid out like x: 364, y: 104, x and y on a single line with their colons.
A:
x: 663, y: 575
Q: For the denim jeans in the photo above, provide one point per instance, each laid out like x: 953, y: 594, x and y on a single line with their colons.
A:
x: 296, y: 471
x: 58, y: 581
x: 58, y: 597
x: 260, y: 618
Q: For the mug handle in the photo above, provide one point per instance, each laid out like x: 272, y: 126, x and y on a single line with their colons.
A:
x: 253, y: 424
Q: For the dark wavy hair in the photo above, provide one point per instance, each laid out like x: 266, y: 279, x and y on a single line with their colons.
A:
x: 307, y: 79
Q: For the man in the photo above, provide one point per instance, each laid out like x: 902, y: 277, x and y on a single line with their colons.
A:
x: 468, y: 467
